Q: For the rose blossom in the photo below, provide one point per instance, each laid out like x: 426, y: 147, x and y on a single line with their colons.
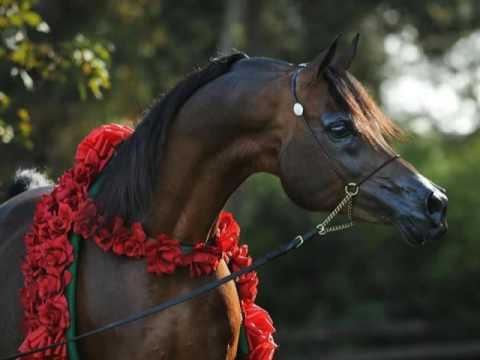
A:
x: 247, y: 286
x: 60, y: 223
x: 50, y: 285
x: 203, y: 260
x: 57, y: 254
x: 135, y: 243
x: 259, y: 328
x: 120, y: 234
x: 53, y: 314
x: 240, y: 258
x: 228, y: 232
x: 162, y: 255
x: 85, y: 222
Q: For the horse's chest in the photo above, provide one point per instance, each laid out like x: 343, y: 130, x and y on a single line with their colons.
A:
x: 111, y: 288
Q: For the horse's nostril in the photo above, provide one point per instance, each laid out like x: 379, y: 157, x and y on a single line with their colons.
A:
x: 436, y: 205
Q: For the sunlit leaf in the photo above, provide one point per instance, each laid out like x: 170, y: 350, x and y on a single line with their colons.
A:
x: 23, y: 114
x: 4, y: 100
x: 32, y: 18
x: 82, y: 90
x: 25, y: 125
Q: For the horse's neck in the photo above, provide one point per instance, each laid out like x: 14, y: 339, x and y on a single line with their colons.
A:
x: 209, y: 154
x: 191, y: 193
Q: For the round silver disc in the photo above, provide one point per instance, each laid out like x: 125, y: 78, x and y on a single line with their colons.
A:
x: 298, y: 109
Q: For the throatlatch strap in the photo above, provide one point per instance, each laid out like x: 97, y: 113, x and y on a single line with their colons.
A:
x: 71, y: 290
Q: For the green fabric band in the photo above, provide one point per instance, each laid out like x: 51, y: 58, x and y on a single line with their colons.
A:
x: 243, y: 348
x: 76, y: 241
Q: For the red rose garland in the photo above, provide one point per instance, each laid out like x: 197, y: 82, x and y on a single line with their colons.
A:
x: 68, y: 208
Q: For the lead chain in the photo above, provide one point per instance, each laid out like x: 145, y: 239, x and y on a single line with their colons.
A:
x: 351, y: 190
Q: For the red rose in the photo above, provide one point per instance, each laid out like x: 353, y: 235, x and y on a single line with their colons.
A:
x: 69, y: 192
x: 240, y: 258
x: 135, y: 243
x: 60, y: 224
x: 247, y: 286
x: 85, y: 219
x: 29, y: 299
x: 102, y: 141
x: 103, y: 238
x: 42, y: 232
x: 83, y: 174
x: 57, y: 255
x: 47, y: 201
x: 41, y: 337
x: 259, y: 327
x: 31, y: 267
x: 228, y: 232
x: 30, y: 323
x: 92, y: 161
x: 51, y: 285
x: 44, y: 209
x: 53, y: 314
x: 203, y: 260
x: 31, y: 240
x: 120, y: 234
x: 263, y: 351
x: 162, y: 255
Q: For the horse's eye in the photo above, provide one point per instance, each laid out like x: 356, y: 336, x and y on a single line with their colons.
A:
x: 340, y: 129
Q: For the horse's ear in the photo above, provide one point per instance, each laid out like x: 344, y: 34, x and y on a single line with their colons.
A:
x: 344, y: 61
x: 323, y: 60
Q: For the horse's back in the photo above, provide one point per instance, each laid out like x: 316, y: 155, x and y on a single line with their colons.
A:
x: 16, y: 216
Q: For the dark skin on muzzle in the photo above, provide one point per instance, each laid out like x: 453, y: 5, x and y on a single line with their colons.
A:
x: 233, y: 126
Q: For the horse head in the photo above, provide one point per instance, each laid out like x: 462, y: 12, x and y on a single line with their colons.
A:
x: 332, y: 133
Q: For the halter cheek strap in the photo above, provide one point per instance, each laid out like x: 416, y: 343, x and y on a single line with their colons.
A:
x: 351, y: 188
x: 299, y: 111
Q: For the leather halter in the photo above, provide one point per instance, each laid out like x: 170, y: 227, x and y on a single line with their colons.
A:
x: 299, y: 111
x: 351, y: 188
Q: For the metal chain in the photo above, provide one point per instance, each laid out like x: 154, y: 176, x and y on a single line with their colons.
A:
x: 351, y: 190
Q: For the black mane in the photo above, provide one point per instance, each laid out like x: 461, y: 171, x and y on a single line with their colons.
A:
x: 127, y: 182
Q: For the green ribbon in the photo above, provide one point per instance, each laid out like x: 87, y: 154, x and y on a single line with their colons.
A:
x: 243, y: 347
x: 76, y: 242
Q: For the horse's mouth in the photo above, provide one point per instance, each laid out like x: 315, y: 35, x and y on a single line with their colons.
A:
x: 416, y: 233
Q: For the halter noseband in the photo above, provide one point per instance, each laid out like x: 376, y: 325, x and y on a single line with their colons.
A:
x: 351, y: 188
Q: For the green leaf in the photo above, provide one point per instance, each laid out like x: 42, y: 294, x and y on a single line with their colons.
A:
x: 82, y: 90
x: 4, y: 100
x: 32, y: 18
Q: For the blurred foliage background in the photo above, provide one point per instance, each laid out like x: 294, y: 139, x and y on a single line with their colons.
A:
x: 68, y: 66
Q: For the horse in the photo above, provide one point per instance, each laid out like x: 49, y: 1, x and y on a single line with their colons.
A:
x: 236, y: 117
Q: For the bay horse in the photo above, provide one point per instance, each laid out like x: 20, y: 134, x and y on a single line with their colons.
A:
x: 190, y: 152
